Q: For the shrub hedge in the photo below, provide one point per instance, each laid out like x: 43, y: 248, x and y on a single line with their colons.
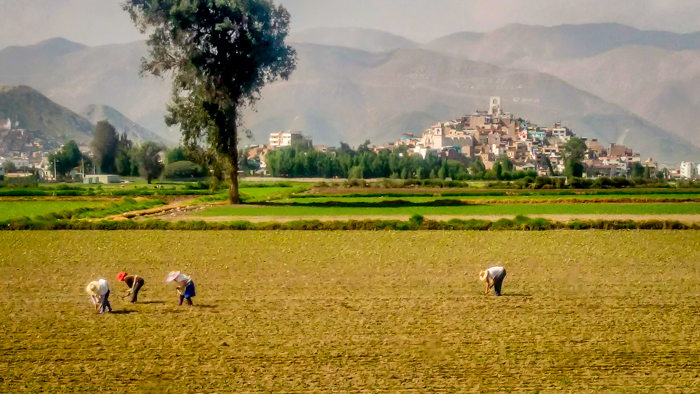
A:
x: 417, y: 222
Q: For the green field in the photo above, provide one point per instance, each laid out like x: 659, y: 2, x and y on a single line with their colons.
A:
x: 307, y: 199
x: 13, y: 209
x: 468, y: 210
x: 585, y: 311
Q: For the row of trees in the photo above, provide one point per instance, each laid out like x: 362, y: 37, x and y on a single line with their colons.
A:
x: 303, y: 161
x: 113, y: 153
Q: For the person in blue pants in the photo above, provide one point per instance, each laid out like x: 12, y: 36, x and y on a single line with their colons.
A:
x: 493, y: 277
x: 185, y: 286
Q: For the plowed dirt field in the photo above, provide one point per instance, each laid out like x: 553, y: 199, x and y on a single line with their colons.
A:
x: 353, y: 312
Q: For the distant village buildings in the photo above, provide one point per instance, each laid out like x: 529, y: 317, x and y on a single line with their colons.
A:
x: 688, y: 170
x: 288, y: 138
x: 490, y: 134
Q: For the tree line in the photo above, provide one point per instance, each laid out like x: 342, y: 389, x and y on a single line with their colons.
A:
x: 301, y: 160
x: 112, y: 153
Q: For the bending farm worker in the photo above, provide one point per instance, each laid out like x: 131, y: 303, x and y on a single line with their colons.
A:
x: 493, y: 277
x: 134, y: 282
x: 185, y: 286
x: 99, y: 293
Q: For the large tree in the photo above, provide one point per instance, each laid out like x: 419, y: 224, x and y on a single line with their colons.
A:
x: 105, y: 145
x: 220, y: 53
x: 574, y: 150
x: 148, y: 157
x: 66, y: 159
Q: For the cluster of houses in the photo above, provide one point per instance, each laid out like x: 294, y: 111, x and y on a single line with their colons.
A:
x: 494, y: 133
x: 23, y: 149
x: 491, y: 134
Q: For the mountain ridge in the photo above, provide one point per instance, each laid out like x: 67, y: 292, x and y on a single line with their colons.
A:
x: 34, y: 111
x: 135, y: 132
x: 344, y: 94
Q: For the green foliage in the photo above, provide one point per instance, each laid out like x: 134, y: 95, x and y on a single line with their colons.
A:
x: 506, y: 164
x: 101, y: 211
x: 66, y: 159
x: 174, y: 155
x: 498, y: 170
x: 291, y: 162
x: 356, y: 172
x: 574, y: 169
x: 477, y: 168
x: 105, y: 145
x: 574, y: 150
x: 150, y: 165
x: 637, y: 171
x: 183, y: 170
x: 125, y: 161
x: 417, y: 222
x: 220, y: 54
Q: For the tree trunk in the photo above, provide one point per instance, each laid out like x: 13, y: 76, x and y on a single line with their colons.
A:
x: 233, y: 196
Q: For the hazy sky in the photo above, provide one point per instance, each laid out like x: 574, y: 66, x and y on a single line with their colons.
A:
x: 96, y: 22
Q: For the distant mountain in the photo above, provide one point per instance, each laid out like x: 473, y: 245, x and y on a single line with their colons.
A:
x: 344, y: 94
x: 351, y: 95
x: 515, y: 42
x: 350, y: 37
x: 15, y: 61
x: 33, y: 111
x: 659, y: 85
x: 95, y: 113
x: 77, y: 76
x: 653, y: 74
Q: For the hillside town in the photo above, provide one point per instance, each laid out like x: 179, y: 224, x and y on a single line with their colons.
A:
x: 491, y: 134
x: 486, y: 136
x: 23, y: 149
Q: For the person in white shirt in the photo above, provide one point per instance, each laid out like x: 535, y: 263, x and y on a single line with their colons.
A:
x: 99, y: 293
x: 493, y: 277
x: 185, y: 286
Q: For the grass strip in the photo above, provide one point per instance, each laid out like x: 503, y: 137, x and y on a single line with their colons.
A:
x: 101, y: 211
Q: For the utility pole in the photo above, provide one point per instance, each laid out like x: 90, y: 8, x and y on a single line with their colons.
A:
x: 55, y: 175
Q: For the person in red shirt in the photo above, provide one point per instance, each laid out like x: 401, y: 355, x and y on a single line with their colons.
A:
x: 134, y: 282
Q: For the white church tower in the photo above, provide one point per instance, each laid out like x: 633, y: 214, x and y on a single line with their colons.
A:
x: 495, y: 106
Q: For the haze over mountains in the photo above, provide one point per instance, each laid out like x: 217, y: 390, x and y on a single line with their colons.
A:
x: 96, y: 113
x: 610, y: 82
x: 32, y: 110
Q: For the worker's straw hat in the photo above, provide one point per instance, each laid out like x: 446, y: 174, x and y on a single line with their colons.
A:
x: 172, y: 276
x: 483, y: 275
x: 121, y: 276
x: 93, y: 288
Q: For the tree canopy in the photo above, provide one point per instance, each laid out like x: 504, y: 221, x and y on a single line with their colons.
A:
x: 574, y: 150
x: 105, y: 145
x: 220, y: 53
x: 66, y: 158
x: 148, y: 156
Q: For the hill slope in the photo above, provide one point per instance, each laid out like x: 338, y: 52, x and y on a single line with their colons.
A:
x: 95, y: 113
x: 86, y: 75
x: 514, y: 42
x: 343, y: 94
x: 659, y: 85
x: 340, y: 93
x: 350, y: 37
x: 34, y: 111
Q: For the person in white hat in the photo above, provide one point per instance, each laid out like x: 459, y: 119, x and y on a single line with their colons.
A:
x: 99, y: 293
x: 493, y: 277
x: 185, y: 286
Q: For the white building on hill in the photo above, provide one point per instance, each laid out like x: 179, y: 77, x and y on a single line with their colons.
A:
x: 688, y: 170
x: 287, y: 138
